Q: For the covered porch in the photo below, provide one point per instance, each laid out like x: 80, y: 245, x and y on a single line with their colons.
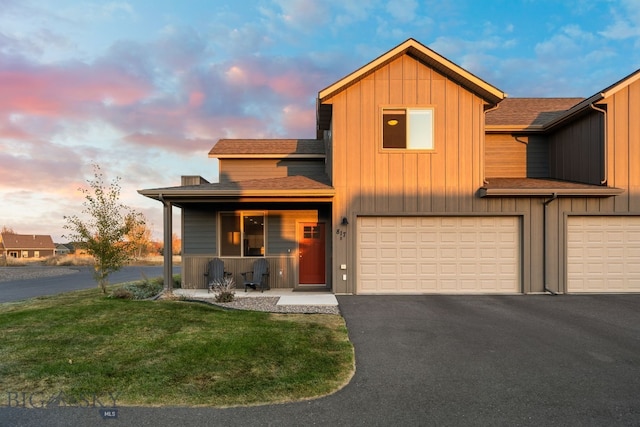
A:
x: 289, y: 227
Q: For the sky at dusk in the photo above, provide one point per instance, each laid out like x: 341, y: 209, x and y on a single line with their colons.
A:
x: 144, y: 88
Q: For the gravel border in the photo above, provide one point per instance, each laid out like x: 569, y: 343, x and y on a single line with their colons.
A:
x: 269, y: 304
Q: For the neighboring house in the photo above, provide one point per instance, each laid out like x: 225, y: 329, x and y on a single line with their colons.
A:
x: 425, y: 179
x: 26, y: 245
x: 62, y: 249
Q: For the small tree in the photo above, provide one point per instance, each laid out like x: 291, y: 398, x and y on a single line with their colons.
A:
x: 139, y: 235
x: 176, y: 244
x: 103, y: 234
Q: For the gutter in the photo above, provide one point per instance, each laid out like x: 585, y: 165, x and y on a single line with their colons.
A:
x: 605, y: 143
x: 554, y: 196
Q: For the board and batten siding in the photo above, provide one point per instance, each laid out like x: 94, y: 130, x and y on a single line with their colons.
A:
x: 623, y: 158
x: 232, y: 170
x: 371, y: 180
x: 576, y: 150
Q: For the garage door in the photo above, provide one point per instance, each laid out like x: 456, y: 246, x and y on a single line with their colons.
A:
x: 603, y: 254
x: 415, y: 255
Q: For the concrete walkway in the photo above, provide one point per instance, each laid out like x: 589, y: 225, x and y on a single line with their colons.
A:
x: 286, y: 296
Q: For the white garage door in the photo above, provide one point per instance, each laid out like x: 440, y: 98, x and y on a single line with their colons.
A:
x: 416, y: 255
x: 603, y: 254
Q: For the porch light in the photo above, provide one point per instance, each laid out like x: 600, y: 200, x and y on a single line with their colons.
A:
x: 345, y: 221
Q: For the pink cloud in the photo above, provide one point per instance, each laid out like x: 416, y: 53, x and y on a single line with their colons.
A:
x: 57, y: 91
x: 299, y: 121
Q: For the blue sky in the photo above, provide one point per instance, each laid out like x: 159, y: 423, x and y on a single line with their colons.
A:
x: 145, y: 88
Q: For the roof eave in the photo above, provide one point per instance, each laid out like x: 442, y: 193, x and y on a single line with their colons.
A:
x: 267, y: 156
x: 214, y: 194
x: 574, y: 111
x: 514, y: 128
x: 550, y: 192
x: 488, y: 92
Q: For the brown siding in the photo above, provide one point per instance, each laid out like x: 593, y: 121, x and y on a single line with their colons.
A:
x: 516, y: 156
x: 245, y: 169
x: 370, y: 180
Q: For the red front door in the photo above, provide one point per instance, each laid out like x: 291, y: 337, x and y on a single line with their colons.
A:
x: 312, y: 252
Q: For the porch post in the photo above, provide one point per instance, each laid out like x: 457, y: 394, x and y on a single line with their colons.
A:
x: 168, y: 249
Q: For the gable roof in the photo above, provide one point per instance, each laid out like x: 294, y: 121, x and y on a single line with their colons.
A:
x: 267, y: 148
x: 427, y: 56
x: 26, y: 241
x: 528, y: 113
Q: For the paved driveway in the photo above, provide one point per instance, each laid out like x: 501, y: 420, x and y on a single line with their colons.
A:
x: 452, y: 360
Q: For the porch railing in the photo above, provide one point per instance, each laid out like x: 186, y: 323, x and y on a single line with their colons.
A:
x: 282, y: 272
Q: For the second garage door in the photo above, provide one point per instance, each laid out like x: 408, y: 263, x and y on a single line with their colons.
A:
x: 603, y: 254
x: 414, y: 255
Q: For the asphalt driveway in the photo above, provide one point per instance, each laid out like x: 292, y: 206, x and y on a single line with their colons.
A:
x: 450, y: 360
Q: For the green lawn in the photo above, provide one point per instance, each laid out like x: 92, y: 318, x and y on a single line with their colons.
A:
x: 168, y: 352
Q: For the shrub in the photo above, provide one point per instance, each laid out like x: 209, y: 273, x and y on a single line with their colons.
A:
x: 224, y: 289
x: 69, y: 260
x: 146, y: 288
x: 122, y: 293
x: 177, y: 281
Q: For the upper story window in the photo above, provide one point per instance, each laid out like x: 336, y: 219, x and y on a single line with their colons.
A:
x: 407, y: 128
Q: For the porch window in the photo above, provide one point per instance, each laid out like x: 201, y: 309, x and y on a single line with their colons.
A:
x: 407, y: 128
x: 242, y: 234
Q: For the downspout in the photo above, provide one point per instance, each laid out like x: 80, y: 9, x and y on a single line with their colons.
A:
x: 484, y: 137
x: 605, y: 148
x: 544, y: 243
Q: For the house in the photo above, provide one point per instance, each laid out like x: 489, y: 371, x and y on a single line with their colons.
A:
x: 26, y: 245
x: 424, y: 178
x: 62, y: 249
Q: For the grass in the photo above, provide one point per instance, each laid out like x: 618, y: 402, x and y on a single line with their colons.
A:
x: 169, y: 352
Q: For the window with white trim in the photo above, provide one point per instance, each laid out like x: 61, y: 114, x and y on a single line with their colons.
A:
x: 407, y: 128
x: 242, y: 234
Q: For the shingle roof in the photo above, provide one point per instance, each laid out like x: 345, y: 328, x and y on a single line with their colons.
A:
x: 27, y: 241
x: 283, y: 183
x: 272, y: 187
x: 267, y: 147
x: 529, y: 112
